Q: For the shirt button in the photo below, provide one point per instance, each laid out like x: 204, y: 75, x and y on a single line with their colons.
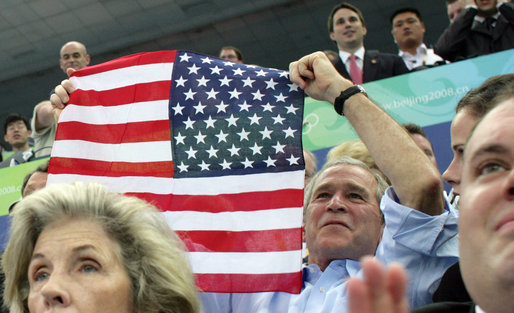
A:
x: 322, y: 289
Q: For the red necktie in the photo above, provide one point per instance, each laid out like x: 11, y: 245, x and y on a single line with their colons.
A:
x: 355, y: 71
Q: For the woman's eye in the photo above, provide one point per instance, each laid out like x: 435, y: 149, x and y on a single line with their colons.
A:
x: 88, y: 268
x: 39, y: 276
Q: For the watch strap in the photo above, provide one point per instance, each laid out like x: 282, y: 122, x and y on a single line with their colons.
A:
x: 345, y: 95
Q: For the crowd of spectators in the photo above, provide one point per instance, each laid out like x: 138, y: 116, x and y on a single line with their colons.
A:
x: 380, y: 196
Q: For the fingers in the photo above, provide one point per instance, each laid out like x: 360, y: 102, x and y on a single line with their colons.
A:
x: 70, y: 71
x: 359, y: 301
x: 381, y: 291
x: 61, y: 95
x: 295, y: 76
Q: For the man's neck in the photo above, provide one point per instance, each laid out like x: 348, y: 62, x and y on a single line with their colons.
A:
x: 350, y: 48
x: 21, y: 148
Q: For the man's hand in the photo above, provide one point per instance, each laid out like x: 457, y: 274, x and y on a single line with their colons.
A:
x: 316, y: 75
x: 381, y: 291
x: 61, y: 95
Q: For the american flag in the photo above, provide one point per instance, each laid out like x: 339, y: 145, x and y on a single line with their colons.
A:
x: 215, y: 145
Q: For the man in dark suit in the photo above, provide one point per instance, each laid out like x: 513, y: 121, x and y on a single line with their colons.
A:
x: 347, y: 29
x: 486, y: 225
x: 480, y: 30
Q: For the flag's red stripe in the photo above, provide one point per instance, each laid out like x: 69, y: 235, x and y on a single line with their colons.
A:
x: 234, y: 283
x: 115, y: 133
x: 247, y: 201
x: 127, y: 61
x: 124, y: 95
x: 243, y: 241
x: 112, y: 169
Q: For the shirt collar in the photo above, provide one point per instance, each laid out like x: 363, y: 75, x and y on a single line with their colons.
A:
x: 421, y: 49
x: 478, y: 309
x: 481, y: 19
x: 345, y: 55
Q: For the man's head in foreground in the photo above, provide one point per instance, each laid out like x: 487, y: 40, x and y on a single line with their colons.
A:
x: 486, y: 222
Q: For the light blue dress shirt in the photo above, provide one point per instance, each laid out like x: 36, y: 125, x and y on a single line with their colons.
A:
x: 425, y: 245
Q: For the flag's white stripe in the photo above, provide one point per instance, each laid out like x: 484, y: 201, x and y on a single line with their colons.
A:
x: 235, y: 221
x: 123, y: 77
x: 153, y: 151
x: 192, y: 186
x: 120, y: 114
x: 245, y: 262
x: 239, y: 183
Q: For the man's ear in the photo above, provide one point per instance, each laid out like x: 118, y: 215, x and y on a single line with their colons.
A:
x: 332, y: 36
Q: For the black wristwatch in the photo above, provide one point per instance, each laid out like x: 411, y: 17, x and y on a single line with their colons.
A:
x: 345, y: 94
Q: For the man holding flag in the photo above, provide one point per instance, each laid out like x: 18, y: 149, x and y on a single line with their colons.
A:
x: 343, y: 220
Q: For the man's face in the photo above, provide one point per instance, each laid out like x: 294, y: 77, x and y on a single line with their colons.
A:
x: 425, y: 145
x: 348, y: 30
x: 17, y: 134
x: 73, y: 56
x: 488, y: 6
x: 229, y: 55
x: 461, y: 127
x: 454, y: 10
x: 486, y: 222
x: 343, y: 219
x: 408, y: 30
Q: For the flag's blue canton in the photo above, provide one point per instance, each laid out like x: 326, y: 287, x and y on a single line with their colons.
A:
x: 229, y: 118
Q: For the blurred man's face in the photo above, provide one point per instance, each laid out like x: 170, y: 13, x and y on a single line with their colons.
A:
x: 408, y: 30
x: 454, y: 10
x: 73, y: 56
x: 348, y: 31
x: 486, y: 6
x: 461, y: 127
x: 17, y: 134
x: 229, y: 55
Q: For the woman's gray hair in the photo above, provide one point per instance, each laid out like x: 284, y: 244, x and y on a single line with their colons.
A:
x: 151, y: 252
x: 343, y: 160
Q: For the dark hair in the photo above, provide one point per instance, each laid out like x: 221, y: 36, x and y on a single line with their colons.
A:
x: 344, y: 5
x: 405, y: 10
x: 482, y: 99
x: 451, y: 1
x: 14, y: 117
x: 414, y: 129
x: 236, y: 50
x: 42, y: 168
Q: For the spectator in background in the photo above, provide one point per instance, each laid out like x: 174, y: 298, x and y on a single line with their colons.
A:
x: 480, y: 30
x: 17, y: 132
x: 231, y: 53
x: 408, y: 31
x: 355, y: 149
x: 455, y: 8
x: 347, y: 29
x: 420, y: 138
x: 73, y: 55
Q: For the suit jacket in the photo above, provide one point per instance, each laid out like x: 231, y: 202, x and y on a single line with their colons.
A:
x: 452, y: 287
x: 376, y: 66
x: 447, y: 307
x: 466, y: 38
